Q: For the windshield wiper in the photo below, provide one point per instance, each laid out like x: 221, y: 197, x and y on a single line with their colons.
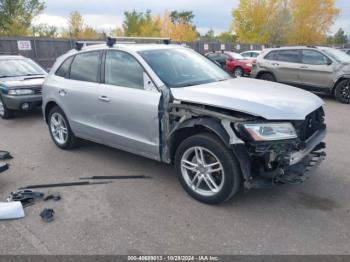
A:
x: 7, y: 76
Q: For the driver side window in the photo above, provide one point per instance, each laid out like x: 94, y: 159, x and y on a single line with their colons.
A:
x: 122, y: 69
x: 313, y: 58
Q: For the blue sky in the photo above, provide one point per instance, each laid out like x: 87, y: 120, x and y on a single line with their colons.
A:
x: 107, y: 14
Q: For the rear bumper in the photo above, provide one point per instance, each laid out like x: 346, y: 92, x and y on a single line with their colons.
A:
x: 16, y: 102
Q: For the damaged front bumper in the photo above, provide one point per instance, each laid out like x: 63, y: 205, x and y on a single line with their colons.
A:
x: 289, y: 168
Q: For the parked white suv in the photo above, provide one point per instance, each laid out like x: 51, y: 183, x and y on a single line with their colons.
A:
x: 169, y: 103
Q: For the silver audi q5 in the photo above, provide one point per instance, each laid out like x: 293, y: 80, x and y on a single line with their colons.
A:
x: 171, y: 104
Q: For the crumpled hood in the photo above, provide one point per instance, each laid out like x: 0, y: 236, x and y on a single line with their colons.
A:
x: 22, y: 82
x: 269, y: 100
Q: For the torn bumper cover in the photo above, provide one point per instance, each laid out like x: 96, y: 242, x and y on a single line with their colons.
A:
x: 288, y: 168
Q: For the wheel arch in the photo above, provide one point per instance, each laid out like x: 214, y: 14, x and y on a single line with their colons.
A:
x: 264, y: 72
x: 345, y: 77
x: 196, y: 126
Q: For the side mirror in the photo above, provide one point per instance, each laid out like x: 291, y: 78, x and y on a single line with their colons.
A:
x: 329, y: 62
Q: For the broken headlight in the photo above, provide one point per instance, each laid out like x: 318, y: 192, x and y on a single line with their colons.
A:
x: 270, y: 131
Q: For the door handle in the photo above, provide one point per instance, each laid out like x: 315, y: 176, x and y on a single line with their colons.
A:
x: 275, y: 64
x: 304, y: 67
x: 62, y: 92
x: 104, y: 98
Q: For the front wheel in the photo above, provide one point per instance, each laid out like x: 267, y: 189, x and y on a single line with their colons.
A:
x: 60, y: 130
x: 267, y: 77
x: 342, y: 91
x: 238, y: 72
x: 206, y: 169
x: 5, y: 113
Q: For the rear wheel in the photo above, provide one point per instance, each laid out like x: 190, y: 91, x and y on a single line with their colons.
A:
x: 206, y: 169
x: 267, y: 77
x: 5, y: 113
x: 342, y: 91
x: 60, y: 130
x: 238, y: 72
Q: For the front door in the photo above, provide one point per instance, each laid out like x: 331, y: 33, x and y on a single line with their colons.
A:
x: 316, y: 70
x: 128, y: 106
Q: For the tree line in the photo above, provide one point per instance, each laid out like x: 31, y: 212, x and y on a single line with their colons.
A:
x: 253, y: 21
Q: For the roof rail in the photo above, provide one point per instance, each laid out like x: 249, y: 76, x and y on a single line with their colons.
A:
x: 111, y: 41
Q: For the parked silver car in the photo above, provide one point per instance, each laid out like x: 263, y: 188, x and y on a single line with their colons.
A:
x: 20, y: 84
x: 171, y: 104
x: 318, y: 69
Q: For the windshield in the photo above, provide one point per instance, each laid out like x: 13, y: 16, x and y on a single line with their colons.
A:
x: 236, y: 56
x: 19, y: 67
x: 183, y: 67
x: 337, y: 55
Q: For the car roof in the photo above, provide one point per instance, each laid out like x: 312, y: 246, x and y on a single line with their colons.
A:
x: 7, y: 57
x: 299, y: 47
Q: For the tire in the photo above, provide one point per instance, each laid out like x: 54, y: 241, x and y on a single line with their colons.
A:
x: 227, y: 180
x: 60, y: 130
x: 267, y: 77
x: 342, y: 91
x: 238, y: 72
x: 5, y: 113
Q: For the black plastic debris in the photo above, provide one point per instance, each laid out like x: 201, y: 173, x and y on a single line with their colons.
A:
x: 3, y: 167
x: 47, y: 214
x: 27, y: 197
x: 53, y: 195
x: 85, y: 183
x: 4, y: 155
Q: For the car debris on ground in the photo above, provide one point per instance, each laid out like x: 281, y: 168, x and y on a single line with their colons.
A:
x: 3, y: 167
x: 11, y: 210
x: 4, y: 155
x: 114, y: 177
x: 26, y: 197
x: 47, y: 215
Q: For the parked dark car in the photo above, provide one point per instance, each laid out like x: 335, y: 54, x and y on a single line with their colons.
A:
x: 20, y: 85
x: 232, y: 62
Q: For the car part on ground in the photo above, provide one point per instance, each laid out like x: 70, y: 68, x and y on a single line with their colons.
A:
x: 170, y: 104
x: 11, y: 210
x: 115, y: 177
x: 318, y: 69
x: 3, y: 167
x: 26, y: 197
x: 47, y: 214
x: 4, y: 155
x: 85, y: 183
x: 56, y: 196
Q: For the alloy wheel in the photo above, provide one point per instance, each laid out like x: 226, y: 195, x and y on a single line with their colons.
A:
x: 345, y: 91
x: 202, y: 171
x: 59, y: 128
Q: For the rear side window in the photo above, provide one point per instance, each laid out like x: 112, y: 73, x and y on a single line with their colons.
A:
x: 313, y: 58
x: 272, y: 55
x: 63, y: 71
x: 291, y: 56
x: 122, y: 69
x: 85, y: 67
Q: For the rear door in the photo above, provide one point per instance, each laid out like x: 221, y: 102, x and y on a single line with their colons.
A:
x: 316, y: 69
x: 287, y: 65
x: 128, y: 106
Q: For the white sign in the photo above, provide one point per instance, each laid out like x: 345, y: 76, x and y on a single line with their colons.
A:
x: 206, y: 47
x: 223, y: 47
x: 251, y: 47
x: 24, y: 45
x: 238, y: 47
